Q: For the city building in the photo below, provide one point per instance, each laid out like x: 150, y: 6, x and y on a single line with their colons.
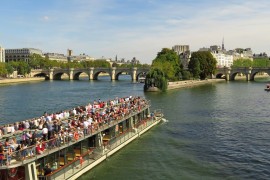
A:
x: 56, y: 57
x: 240, y: 53
x: 20, y: 54
x: 2, y: 54
x: 180, y: 48
x: 223, y: 58
x: 184, y: 54
x: 83, y: 57
x: 260, y: 56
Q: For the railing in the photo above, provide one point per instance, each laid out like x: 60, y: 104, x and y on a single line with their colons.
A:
x: 94, y: 154
x: 20, y: 132
x: 30, y: 153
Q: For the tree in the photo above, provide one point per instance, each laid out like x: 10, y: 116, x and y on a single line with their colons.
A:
x: 186, y: 75
x: 15, y: 65
x: 194, y: 67
x: 156, y: 78
x: 261, y: 62
x: 3, y: 70
x: 167, y: 61
x: 206, y: 62
x: 35, y: 61
x: 9, y: 68
x: 242, y: 63
x: 23, y: 68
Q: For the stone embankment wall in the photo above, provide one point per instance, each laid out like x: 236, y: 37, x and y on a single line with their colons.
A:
x: 190, y: 83
x: 187, y: 83
x: 19, y: 80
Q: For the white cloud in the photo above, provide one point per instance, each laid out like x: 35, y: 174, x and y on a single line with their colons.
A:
x: 46, y: 18
x: 106, y: 28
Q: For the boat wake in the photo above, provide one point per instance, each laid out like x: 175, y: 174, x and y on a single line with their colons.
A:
x: 164, y: 120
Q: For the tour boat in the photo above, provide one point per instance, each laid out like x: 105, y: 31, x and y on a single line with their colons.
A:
x: 76, y: 145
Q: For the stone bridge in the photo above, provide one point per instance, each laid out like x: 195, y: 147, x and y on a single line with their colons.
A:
x: 249, y: 72
x: 92, y: 73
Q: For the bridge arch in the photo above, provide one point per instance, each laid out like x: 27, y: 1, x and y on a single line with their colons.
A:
x: 139, y: 74
x: 220, y: 75
x: 233, y: 75
x: 42, y: 75
x: 121, y: 73
x: 96, y: 74
x: 76, y: 75
x: 256, y: 71
x: 58, y: 76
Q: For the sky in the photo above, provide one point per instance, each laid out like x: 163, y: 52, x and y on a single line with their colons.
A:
x: 133, y: 28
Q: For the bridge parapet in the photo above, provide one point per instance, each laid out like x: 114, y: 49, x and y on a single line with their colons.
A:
x: 249, y: 72
x: 92, y: 72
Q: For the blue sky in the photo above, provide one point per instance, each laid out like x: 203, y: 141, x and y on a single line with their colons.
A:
x: 133, y: 28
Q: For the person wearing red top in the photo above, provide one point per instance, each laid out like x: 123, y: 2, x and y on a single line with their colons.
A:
x: 40, y: 148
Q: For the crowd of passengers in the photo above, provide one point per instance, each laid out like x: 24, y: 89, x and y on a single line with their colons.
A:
x: 52, y: 130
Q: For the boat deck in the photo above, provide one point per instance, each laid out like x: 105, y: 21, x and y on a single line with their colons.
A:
x: 95, y: 156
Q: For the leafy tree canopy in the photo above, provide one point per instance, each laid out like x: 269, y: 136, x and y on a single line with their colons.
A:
x: 3, y: 71
x: 167, y: 61
x: 156, y: 78
x: 202, y: 63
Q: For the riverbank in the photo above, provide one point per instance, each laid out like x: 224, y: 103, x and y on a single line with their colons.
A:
x: 184, y: 84
x: 21, y: 80
x: 191, y: 83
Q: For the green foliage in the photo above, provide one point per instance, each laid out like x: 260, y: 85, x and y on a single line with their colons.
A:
x: 9, y: 68
x: 167, y: 61
x: 261, y: 62
x: 134, y: 65
x: 96, y: 63
x: 23, y: 68
x: 242, y: 63
x: 257, y: 62
x: 3, y: 70
x: 156, y: 78
x: 194, y: 67
x: 35, y: 61
x: 115, y: 65
x: 186, y: 75
x: 202, y: 63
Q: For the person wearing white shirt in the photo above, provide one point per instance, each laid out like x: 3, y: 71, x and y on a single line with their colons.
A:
x: 85, y: 127
x: 45, y: 133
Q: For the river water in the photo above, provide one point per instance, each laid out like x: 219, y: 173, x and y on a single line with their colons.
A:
x: 214, y: 131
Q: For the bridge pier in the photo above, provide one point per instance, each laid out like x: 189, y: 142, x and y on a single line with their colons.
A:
x: 71, y: 73
x: 227, y: 74
x: 91, y: 73
x: 51, y: 74
x: 134, y: 74
x: 113, y: 73
x: 248, y: 73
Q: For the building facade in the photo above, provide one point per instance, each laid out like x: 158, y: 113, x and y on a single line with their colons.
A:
x: 220, y: 54
x: 2, y: 54
x: 240, y: 53
x: 223, y: 59
x: 20, y: 54
x: 184, y: 54
x: 56, y: 57
x: 180, y: 48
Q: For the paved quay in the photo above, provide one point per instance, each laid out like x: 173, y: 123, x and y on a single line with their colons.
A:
x: 191, y: 83
x: 20, y: 80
